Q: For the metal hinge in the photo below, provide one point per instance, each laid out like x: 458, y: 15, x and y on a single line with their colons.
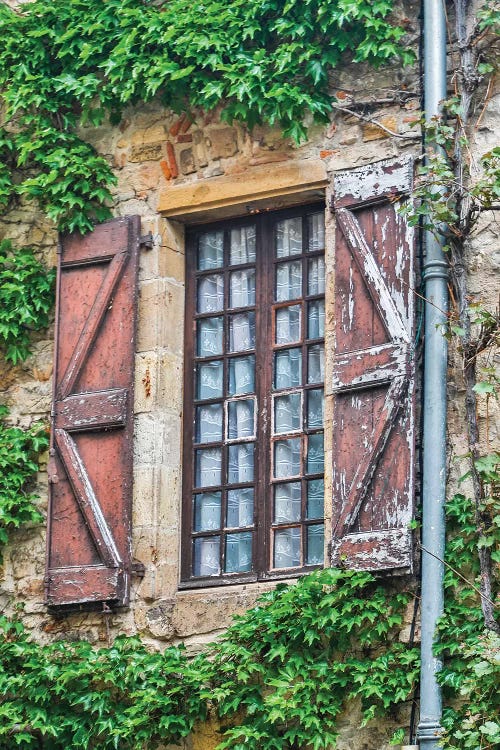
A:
x: 138, y: 569
x: 147, y: 241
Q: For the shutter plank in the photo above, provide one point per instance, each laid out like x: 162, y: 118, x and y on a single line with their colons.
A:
x: 90, y: 473
x: 373, y: 442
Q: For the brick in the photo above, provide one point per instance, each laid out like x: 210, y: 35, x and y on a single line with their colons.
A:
x: 167, y: 173
x: 172, y: 162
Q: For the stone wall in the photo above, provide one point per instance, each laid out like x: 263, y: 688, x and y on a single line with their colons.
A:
x: 154, y: 152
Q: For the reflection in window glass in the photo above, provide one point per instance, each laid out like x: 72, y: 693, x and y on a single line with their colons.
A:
x: 315, y: 498
x: 240, y: 418
x: 211, y: 293
x: 209, y: 380
x: 208, y: 467
x: 240, y: 507
x: 242, y: 288
x: 210, y: 250
x: 288, y: 324
x: 287, y: 413
x: 315, y: 544
x: 206, y: 556
x: 287, y: 368
x: 316, y: 232
x: 315, y: 408
x: 316, y: 364
x: 288, y: 281
x: 287, y: 502
x: 287, y: 548
x: 240, y: 466
x: 242, y: 246
x: 289, y: 237
x: 208, y: 423
x: 315, y: 454
x: 316, y: 276
x: 241, y: 375
x: 316, y: 319
x: 207, y: 511
x: 238, y: 552
x: 209, y: 337
x: 242, y: 332
x: 287, y: 458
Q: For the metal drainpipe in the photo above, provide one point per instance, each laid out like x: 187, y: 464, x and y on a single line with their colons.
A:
x: 434, y: 409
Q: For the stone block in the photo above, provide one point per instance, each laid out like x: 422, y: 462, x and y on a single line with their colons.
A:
x: 199, y: 148
x: 161, y: 316
x: 186, y: 160
x: 157, y: 440
x: 222, y: 142
x: 371, y: 131
x: 145, y: 152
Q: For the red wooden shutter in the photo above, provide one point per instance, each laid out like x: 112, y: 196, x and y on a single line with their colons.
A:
x: 90, y: 470
x: 373, y: 384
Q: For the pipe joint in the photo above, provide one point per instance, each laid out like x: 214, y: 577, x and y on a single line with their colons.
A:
x: 429, y: 733
x: 435, y: 269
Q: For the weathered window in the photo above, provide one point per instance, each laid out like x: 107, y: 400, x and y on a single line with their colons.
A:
x: 253, y: 447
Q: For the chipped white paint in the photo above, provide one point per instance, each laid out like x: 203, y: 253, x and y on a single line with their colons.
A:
x: 371, y: 181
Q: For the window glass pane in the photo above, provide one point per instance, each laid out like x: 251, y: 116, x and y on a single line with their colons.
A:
x: 315, y: 454
x: 315, y: 544
x: 207, y: 507
x: 240, y: 507
x: 242, y: 245
x: 210, y: 293
x: 287, y: 458
x: 316, y: 319
x: 208, y: 467
x: 316, y: 364
x: 206, y: 556
x: 209, y: 337
x: 288, y: 326
x: 289, y: 237
x: 287, y: 548
x: 242, y: 288
x: 287, y: 505
x: 242, y: 332
x: 238, y: 552
x: 240, y: 467
x: 316, y: 276
x: 240, y: 419
x: 287, y: 413
x: 315, y: 498
x: 209, y: 380
x: 287, y: 368
x: 208, y: 423
x: 316, y: 231
x: 288, y: 280
x: 210, y: 250
x: 315, y: 408
x: 241, y: 375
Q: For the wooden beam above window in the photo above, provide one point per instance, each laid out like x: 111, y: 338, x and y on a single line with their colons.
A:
x: 256, y: 189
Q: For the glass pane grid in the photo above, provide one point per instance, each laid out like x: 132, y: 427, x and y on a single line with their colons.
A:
x: 225, y: 429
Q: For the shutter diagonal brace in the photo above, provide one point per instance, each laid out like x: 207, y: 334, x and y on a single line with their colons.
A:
x: 87, y: 500
x: 92, y: 324
x: 396, y: 372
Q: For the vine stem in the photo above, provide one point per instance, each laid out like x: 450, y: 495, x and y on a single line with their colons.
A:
x: 374, y: 121
x: 454, y: 570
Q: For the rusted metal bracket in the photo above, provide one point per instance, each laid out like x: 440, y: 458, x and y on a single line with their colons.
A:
x: 147, y: 241
x: 138, y: 569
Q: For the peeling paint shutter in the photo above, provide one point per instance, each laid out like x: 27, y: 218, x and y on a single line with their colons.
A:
x: 90, y: 468
x: 373, y: 383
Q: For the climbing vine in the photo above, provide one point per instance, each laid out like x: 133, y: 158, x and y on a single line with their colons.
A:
x: 19, y: 453
x: 278, y: 679
x: 26, y: 296
x: 75, y: 62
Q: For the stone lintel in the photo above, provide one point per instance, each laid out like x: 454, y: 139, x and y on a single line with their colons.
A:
x: 257, y: 188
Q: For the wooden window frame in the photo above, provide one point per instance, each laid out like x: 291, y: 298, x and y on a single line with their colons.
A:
x: 265, y: 304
